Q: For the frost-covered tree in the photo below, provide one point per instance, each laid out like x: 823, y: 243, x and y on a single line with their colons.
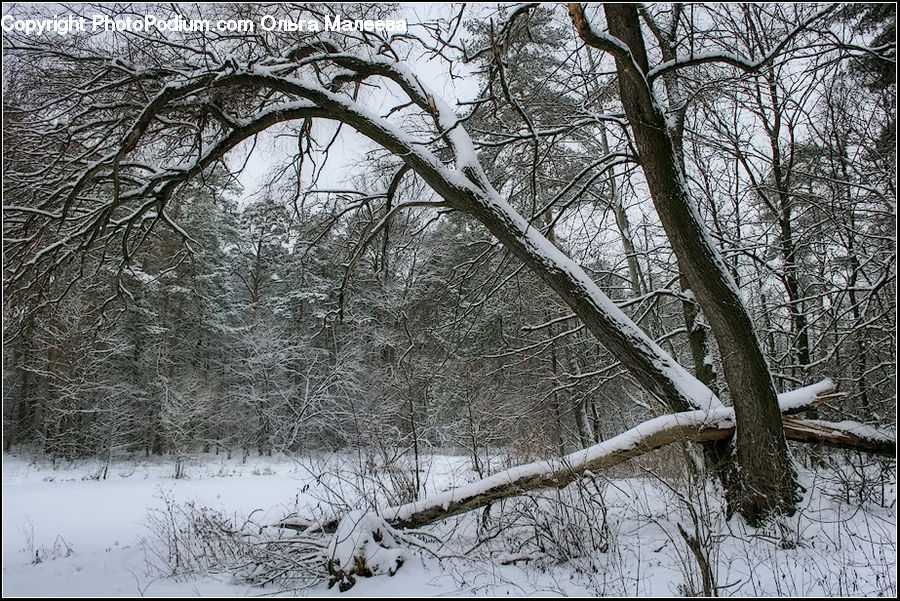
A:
x: 135, y: 126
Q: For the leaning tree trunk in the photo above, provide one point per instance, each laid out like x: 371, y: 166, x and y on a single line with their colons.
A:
x: 718, y: 453
x: 767, y: 481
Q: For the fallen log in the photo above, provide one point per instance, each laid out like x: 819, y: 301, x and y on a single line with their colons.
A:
x: 694, y: 426
x: 843, y: 435
x: 557, y: 473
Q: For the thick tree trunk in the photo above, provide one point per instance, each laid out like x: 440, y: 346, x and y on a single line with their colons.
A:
x: 718, y: 454
x: 767, y: 480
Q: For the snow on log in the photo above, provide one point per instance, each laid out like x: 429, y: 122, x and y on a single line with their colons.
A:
x: 797, y: 400
x: 846, y: 434
x: 557, y: 473
x: 696, y: 426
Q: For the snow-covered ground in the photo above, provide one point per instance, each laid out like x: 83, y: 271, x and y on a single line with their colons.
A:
x: 68, y: 534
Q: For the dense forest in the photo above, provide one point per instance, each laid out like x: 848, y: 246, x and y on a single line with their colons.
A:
x: 513, y: 230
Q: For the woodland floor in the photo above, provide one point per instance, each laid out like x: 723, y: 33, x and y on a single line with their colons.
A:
x: 66, y: 533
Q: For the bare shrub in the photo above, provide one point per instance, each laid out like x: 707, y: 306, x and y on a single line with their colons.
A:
x: 861, y: 479
x: 555, y: 525
x: 190, y: 540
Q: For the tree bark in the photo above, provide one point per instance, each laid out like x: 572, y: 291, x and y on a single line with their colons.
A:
x: 767, y: 481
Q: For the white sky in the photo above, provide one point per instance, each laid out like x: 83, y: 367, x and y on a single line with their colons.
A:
x: 350, y: 149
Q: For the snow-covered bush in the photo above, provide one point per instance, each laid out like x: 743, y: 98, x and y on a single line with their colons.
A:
x: 190, y: 540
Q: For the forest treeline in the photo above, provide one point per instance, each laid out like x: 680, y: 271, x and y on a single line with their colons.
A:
x: 305, y: 318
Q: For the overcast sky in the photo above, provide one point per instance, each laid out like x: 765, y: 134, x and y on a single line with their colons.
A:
x: 350, y: 149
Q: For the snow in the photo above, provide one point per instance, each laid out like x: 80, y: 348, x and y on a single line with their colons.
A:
x: 801, y: 397
x: 857, y: 429
x: 92, y: 535
x: 364, y: 535
x: 104, y: 521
